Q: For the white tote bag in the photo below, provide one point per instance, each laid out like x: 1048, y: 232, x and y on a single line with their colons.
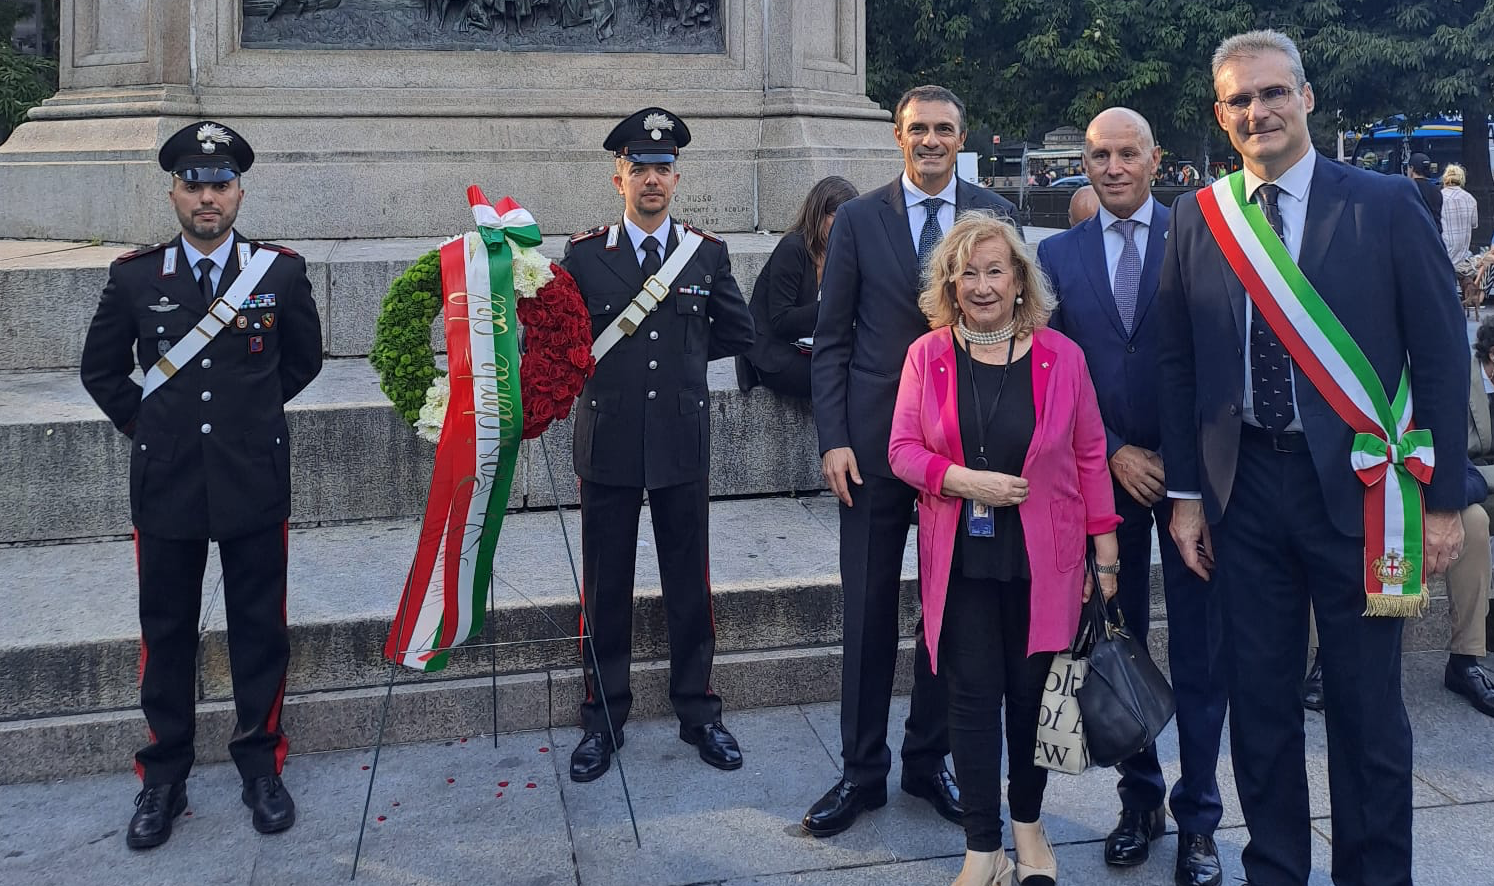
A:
x: 1060, y: 732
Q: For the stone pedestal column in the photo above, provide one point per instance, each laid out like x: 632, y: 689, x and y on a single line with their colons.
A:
x: 360, y: 143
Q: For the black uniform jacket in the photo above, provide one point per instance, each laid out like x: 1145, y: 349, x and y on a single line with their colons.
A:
x: 644, y: 418
x: 209, y: 453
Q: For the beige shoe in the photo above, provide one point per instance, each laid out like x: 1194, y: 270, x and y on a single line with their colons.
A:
x: 985, y: 869
x: 1038, y: 866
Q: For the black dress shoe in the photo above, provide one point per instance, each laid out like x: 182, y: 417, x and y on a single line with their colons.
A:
x: 940, y: 790
x: 1198, y: 861
x: 838, y: 809
x: 717, y: 746
x: 593, y: 756
x: 1131, y: 841
x: 1312, y: 685
x: 1473, y: 683
x: 271, y: 803
x: 155, y: 807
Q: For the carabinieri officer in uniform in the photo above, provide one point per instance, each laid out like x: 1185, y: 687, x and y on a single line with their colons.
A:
x: 663, y: 302
x: 226, y: 332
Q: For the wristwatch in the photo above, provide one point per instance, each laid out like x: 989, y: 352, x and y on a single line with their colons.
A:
x: 1112, y: 569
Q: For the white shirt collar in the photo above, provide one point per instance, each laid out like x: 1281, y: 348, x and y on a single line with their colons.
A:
x: 1295, y: 182
x: 219, y: 255
x: 912, y: 195
x: 1142, y: 216
x: 637, y: 234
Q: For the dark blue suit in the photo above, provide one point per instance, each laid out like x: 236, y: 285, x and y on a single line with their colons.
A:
x: 1124, y: 368
x: 1288, y: 527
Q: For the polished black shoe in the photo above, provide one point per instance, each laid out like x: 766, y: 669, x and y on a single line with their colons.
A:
x: 273, y: 808
x: 940, y: 790
x: 839, y: 808
x: 1473, y: 683
x: 1131, y: 841
x: 593, y: 756
x: 1312, y: 686
x: 155, y: 808
x: 1198, y: 861
x: 717, y: 746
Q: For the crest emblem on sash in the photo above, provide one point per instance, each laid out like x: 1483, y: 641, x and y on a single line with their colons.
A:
x: 1393, y: 568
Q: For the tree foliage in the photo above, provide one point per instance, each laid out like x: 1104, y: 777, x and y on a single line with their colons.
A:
x: 25, y: 80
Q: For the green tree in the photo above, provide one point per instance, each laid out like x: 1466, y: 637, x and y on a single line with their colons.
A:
x: 25, y: 80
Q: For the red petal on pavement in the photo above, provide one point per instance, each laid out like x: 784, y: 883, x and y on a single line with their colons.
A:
x: 502, y: 784
x: 531, y: 785
x: 451, y: 781
x: 544, y: 750
x: 382, y: 818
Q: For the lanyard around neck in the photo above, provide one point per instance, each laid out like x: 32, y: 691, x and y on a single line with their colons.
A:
x: 990, y: 416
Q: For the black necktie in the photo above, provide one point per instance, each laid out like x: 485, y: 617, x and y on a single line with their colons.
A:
x: 1270, y: 365
x: 205, y: 280
x: 652, y: 261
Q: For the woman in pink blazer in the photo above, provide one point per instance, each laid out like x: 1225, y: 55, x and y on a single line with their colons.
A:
x: 998, y: 429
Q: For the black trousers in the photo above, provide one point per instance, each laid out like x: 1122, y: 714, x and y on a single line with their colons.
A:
x: 1193, y: 640
x: 609, y: 548
x: 170, y: 572
x: 983, y: 657
x: 1276, y: 550
x: 872, y: 537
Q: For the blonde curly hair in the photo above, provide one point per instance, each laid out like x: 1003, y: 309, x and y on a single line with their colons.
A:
x: 942, y: 274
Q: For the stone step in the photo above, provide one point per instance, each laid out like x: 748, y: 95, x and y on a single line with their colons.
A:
x: 49, y: 289
x: 64, y: 469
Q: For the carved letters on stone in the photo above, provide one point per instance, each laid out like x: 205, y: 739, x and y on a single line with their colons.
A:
x: 683, y: 26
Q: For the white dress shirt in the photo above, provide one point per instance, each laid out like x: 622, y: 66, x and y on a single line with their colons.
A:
x: 637, y: 235
x: 1115, y: 242
x: 917, y: 214
x: 220, y: 258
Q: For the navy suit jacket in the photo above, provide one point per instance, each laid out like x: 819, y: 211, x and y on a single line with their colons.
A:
x: 869, y: 316
x: 1124, y: 367
x: 1372, y: 253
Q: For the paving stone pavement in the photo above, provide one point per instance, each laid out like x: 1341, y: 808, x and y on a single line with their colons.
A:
x: 465, y: 811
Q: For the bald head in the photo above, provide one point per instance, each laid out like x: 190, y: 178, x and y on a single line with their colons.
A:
x: 1083, y: 205
x: 1116, y: 119
x: 1120, y: 157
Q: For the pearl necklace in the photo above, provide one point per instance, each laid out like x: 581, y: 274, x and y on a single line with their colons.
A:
x: 987, y: 338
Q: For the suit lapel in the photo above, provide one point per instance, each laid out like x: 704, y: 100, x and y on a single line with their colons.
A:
x: 1093, y: 257
x: 623, y: 260
x: 1325, y: 204
x: 231, y: 267
x: 895, y: 220
x: 1151, y: 263
x: 181, y: 287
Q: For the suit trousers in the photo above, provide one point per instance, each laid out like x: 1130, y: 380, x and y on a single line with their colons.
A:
x: 1193, y: 639
x: 1277, y: 551
x: 609, y: 548
x: 170, y: 572
x: 873, y: 535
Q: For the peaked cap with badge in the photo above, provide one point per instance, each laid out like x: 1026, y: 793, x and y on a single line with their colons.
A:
x: 206, y: 152
x: 653, y: 135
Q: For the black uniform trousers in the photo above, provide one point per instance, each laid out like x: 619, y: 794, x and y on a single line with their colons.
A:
x: 1193, y: 639
x: 873, y: 535
x: 609, y: 548
x: 1275, y: 551
x: 171, y: 572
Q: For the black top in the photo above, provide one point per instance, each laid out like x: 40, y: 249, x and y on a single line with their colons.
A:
x: 785, y: 303
x: 1008, y: 434
x: 1431, y: 195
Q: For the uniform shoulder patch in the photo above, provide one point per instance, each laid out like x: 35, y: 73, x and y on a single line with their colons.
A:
x: 709, y: 235
x: 597, y: 231
x: 144, y: 250
x: 276, y: 247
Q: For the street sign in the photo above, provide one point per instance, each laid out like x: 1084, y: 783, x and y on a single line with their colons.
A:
x: 995, y: 139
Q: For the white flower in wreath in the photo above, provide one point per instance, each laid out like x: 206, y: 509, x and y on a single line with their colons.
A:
x: 531, y: 271
x: 433, y: 412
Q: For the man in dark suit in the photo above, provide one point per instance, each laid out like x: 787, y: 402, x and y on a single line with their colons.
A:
x: 643, y: 424
x: 1258, y: 457
x: 1419, y: 170
x: 1104, y: 274
x: 868, y: 317
x: 209, y: 459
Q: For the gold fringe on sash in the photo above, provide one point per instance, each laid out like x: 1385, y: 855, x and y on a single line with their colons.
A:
x: 1397, y: 606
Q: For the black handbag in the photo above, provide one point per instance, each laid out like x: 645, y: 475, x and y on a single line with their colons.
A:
x: 1125, y: 701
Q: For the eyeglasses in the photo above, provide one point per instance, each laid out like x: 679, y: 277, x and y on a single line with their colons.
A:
x: 1271, y: 98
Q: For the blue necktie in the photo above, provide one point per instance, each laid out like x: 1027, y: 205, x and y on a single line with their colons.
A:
x: 1127, y: 273
x: 1270, y: 365
x: 929, y: 237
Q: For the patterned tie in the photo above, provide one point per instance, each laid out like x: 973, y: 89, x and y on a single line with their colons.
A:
x: 1270, y: 365
x: 651, y: 259
x: 1127, y: 273
x: 205, y: 280
x: 929, y: 237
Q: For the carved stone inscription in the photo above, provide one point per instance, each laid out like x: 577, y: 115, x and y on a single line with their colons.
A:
x: 675, y: 26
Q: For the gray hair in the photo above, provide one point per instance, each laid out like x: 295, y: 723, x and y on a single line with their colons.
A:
x: 1254, y: 43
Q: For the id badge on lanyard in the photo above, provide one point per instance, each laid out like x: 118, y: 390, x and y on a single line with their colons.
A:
x: 979, y: 521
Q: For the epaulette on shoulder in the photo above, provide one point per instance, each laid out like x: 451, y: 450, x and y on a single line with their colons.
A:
x: 709, y: 235
x: 276, y: 247
x: 136, y: 253
x: 597, y: 231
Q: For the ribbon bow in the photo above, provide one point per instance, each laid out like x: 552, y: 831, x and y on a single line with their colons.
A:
x: 1373, y: 455
x: 505, y: 221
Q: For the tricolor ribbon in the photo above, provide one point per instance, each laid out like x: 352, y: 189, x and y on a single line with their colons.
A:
x: 1391, y: 457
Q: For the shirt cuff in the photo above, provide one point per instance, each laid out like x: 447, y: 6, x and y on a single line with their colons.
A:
x: 1184, y: 496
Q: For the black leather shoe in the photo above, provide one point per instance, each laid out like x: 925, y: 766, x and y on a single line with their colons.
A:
x: 1473, y: 683
x: 1198, y: 861
x: 940, y: 790
x: 593, y: 756
x: 717, y: 746
x: 1131, y: 841
x: 155, y: 808
x: 1312, y: 686
x: 838, y: 809
x: 273, y: 808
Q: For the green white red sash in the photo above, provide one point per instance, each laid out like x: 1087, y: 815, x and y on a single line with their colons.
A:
x: 447, y: 586
x: 1390, y: 456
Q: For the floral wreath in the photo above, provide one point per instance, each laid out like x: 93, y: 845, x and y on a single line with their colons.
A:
x: 556, y: 337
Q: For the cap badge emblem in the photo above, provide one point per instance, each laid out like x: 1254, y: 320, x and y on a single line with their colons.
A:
x: 656, y: 122
x: 210, y: 135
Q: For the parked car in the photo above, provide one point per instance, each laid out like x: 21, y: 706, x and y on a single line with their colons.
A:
x: 1070, y: 181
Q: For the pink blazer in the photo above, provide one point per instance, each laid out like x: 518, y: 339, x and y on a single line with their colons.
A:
x: 1069, y: 487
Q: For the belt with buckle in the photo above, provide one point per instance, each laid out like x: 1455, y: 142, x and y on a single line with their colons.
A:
x: 1289, y: 441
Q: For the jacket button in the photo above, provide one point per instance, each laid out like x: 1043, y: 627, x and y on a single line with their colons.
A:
x: 1130, y: 349
x: 160, y: 329
x: 207, y: 363
x: 206, y: 396
x: 606, y: 307
x: 700, y: 403
x: 653, y: 394
x: 207, y: 429
x: 654, y: 335
x: 142, y: 447
x: 593, y: 402
x: 653, y: 364
x: 1234, y: 410
x: 695, y: 307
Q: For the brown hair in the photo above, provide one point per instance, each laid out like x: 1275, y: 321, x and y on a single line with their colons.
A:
x: 827, y: 196
x: 941, y: 277
x: 927, y: 93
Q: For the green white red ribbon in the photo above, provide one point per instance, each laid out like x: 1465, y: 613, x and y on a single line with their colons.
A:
x: 1391, y: 457
x: 447, y: 587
